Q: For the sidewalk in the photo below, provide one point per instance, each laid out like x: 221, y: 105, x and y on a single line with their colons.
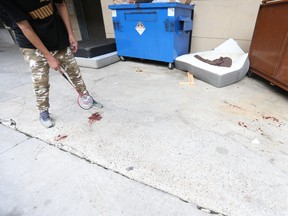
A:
x: 39, y: 179
x: 166, y: 148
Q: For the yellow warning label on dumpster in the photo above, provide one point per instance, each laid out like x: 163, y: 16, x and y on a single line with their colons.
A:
x: 140, y: 28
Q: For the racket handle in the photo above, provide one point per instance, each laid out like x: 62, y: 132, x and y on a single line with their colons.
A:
x: 63, y: 74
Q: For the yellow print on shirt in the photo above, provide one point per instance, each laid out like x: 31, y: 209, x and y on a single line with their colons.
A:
x: 42, y: 12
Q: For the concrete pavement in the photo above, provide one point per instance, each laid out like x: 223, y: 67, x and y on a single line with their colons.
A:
x: 39, y: 179
x: 223, y: 150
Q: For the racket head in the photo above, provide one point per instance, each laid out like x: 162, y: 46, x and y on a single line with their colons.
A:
x: 85, y: 101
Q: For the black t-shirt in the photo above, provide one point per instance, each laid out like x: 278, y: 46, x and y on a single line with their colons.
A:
x: 11, y: 23
x: 44, y: 19
x: 5, y: 17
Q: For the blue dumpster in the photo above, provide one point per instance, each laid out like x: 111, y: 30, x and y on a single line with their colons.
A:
x: 153, y: 31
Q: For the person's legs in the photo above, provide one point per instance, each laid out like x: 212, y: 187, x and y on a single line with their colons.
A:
x: 40, y: 77
x: 68, y: 62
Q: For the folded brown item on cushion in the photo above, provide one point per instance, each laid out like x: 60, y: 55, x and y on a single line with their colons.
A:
x: 222, y: 61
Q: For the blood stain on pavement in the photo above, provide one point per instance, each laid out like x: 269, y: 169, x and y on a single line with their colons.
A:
x: 94, y: 117
x: 60, y: 137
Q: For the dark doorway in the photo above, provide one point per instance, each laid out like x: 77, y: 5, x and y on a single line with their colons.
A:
x: 91, y: 25
x: 89, y: 15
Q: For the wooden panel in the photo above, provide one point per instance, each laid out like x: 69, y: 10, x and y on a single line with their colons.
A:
x: 269, y: 46
x: 269, y: 34
x: 282, y: 70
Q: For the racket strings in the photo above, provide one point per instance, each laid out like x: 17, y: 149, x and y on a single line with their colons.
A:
x: 85, y: 101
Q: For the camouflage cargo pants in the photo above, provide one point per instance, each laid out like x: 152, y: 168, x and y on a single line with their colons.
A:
x: 40, y: 73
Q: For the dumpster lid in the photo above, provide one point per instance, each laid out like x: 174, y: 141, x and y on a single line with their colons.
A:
x: 150, y: 5
x: 184, y: 18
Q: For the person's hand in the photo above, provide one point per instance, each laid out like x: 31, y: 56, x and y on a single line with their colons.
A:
x: 54, y: 63
x: 73, y: 43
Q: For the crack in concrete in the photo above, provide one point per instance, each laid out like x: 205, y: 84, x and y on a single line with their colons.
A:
x: 11, y: 123
x: 83, y: 157
x: 209, y: 211
x: 1, y: 153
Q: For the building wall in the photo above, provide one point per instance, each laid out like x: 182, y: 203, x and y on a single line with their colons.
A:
x: 107, y: 17
x: 217, y: 20
x: 73, y: 17
x: 214, y: 22
x: 5, y: 36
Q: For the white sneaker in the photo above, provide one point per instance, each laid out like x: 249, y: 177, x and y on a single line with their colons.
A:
x: 46, y: 120
x: 97, y: 105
